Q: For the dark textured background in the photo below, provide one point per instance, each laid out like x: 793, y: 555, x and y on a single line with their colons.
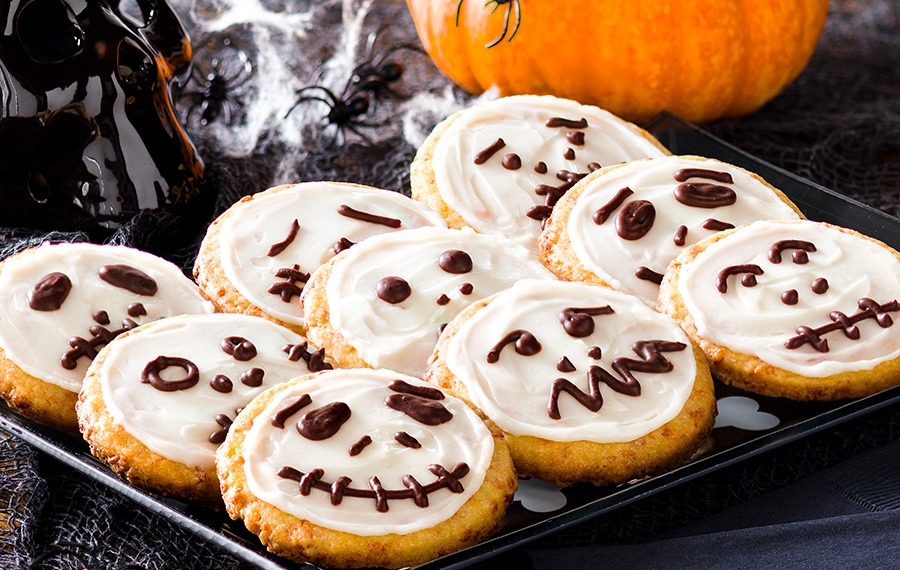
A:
x: 838, y: 125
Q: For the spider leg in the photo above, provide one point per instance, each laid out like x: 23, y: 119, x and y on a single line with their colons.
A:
x: 225, y: 109
x: 196, y: 74
x: 371, y: 125
x: 372, y: 39
x: 458, y: 10
x: 505, y: 24
x: 296, y: 104
x: 377, y: 86
x: 518, y: 19
x: 358, y: 133
x: 332, y: 98
x: 380, y: 59
x: 209, y: 111
x: 243, y: 81
x: 193, y: 101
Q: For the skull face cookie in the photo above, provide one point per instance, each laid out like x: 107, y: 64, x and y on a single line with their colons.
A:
x: 383, y: 303
x: 158, y: 400
x: 500, y: 167
x: 63, y: 303
x: 587, y: 383
x: 803, y: 310
x: 258, y: 255
x: 358, y: 467
x: 622, y: 226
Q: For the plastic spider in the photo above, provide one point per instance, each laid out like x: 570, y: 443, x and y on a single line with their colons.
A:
x: 376, y: 72
x: 510, y: 6
x: 345, y: 111
x: 368, y: 80
x: 215, y: 95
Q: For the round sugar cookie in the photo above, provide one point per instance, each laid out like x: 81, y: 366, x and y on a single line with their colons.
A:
x: 383, y: 303
x: 500, y: 167
x: 623, y: 225
x: 803, y: 310
x: 257, y: 256
x: 359, y: 468
x: 588, y: 384
x: 63, y: 303
x: 159, y: 399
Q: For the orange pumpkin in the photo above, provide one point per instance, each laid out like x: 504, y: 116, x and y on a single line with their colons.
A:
x: 700, y: 59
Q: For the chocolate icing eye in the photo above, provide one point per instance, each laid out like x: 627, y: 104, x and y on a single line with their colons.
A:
x: 238, y: 347
x: 704, y: 195
x: 129, y: 278
x: 579, y: 322
x: 635, y: 220
x: 423, y: 410
x: 748, y: 272
x: 393, y: 290
x: 152, y: 374
x: 50, y: 292
x: 455, y: 261
x: 523, y: 341
x: 323, y: 422
x: 800, y: 247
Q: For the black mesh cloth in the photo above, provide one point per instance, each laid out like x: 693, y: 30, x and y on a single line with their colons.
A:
x: 838, y: 125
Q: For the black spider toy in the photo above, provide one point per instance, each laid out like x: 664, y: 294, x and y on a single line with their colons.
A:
x: 214, y: 87
x: 371, y: 78
x: 510, y: 6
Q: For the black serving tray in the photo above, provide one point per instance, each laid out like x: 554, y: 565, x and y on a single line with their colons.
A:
x: 727, y: 445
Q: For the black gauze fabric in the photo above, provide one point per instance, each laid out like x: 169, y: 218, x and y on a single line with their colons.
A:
x: 838, y: 125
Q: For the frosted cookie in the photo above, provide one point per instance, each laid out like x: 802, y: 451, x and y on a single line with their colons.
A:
x: 257, y: 256
x: 158, y: 400
x: 501, y: 166
x: 587, y: 383
x: 62, y: 303
x: 803, y: 310
x: 622, y: 226
x: 383, y: 303
x: 359, y: 468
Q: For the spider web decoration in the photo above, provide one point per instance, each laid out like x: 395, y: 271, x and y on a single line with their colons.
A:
x: 317, y: 47
x: 849, y: 141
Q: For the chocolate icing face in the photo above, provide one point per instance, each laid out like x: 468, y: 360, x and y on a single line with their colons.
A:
x: 628, y: 224
x: 802, y: 296
x: 89, y: 133
x: 63, y: 303
x: 270, y: 245
x: 389, y: 294
x: 608, y: 369
x: 174, y: 387
x: 366, y: 451
x: 502, y: 166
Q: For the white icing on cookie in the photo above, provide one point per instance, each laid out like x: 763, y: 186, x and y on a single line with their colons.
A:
x: 462, y: 439
x: 256, y: 225
x: 515, y: 390
x: 36, y: 340
x: 602, y: 251
x: 755, y: 320
x: 496, y: 200
x: 178, y: 424
x: 401, y: 336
